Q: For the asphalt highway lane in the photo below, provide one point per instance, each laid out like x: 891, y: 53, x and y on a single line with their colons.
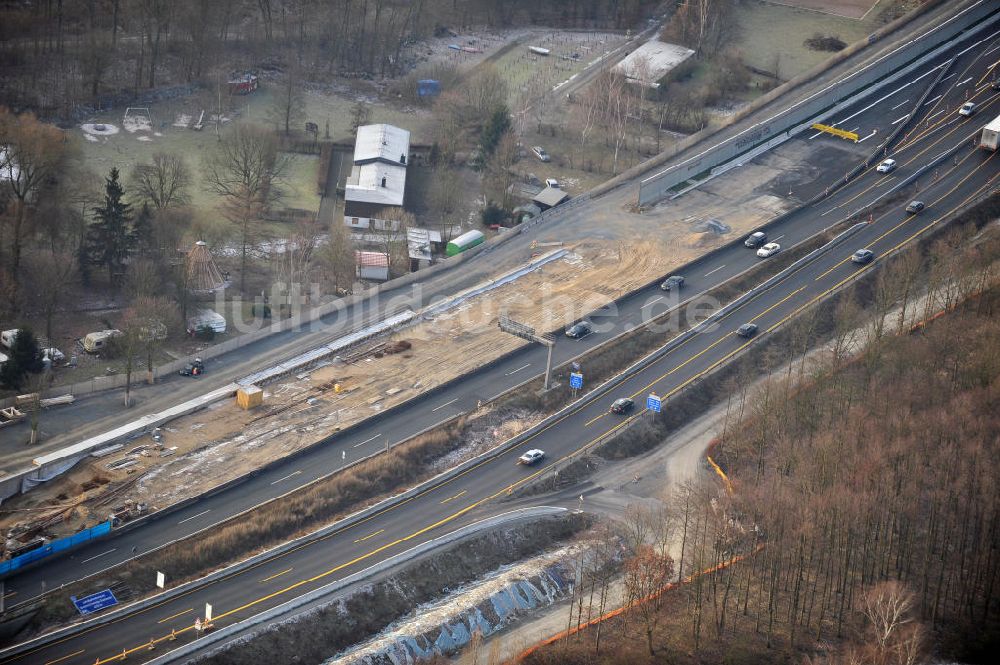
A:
x: 447, y: 506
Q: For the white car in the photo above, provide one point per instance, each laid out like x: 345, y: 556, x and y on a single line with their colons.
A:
x: 886, y: 166
x: 770, y: 249
x: 552, y: 182
x: 968, y: 108
x: 53, y: 354
x: 531, y: 457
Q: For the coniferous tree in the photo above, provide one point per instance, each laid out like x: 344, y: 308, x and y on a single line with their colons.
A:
x: 25, y: 356
x: 110, y: 237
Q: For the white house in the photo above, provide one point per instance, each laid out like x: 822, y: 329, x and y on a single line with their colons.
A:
x: 378, y: 177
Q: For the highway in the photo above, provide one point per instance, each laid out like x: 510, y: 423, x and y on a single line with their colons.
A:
x: 451, y: 504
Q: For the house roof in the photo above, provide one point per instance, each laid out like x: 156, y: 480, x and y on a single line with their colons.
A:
x: 656, y: 57
x: 365, y: 184
x: 371, y: 259
x: 385, y: 143
x: 550, y: 197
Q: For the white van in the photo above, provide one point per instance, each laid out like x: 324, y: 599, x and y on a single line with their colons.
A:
x: 96, y: 341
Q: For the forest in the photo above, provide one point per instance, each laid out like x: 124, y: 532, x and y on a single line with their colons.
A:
x: 858, y: 519
x: 60, y: 58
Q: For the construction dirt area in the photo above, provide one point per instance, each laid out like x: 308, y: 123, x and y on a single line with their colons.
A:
x: 619, y: 252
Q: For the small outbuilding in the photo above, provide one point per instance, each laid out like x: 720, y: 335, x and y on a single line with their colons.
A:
x: 550, y: 197
x: 372, y: 266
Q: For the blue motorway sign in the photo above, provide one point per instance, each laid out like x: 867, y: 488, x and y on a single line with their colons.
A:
x: 95, y: 601
x: 654, y: 403
x: 575, y: 380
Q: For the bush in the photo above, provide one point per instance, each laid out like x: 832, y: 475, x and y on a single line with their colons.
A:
x: 821, y: 42
x: 493, y: 214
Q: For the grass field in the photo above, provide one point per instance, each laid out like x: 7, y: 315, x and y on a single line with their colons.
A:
x: 768, y: 31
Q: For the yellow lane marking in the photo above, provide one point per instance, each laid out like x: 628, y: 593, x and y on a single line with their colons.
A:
x: 594, y: 420
x: 268, y: 579
x: 509, y: 488
x: 889, y: 251
x: 450, y: 498
x: 913, y: 217
x: 59, y: 660
x: 780, y: 302
x: 174, y: 616
x: 370, y: 535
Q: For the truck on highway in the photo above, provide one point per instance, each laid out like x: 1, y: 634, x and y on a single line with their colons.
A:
x: 990, y: 138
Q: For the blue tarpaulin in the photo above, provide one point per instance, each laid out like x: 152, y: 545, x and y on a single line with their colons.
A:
x: 55, y: 546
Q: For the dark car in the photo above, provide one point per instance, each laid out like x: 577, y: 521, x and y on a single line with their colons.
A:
x: 195, y: 368
x: 747, y: 330
x: 915, y: 206
x: 623, y: 405
x: 578, y: 330
x: 673, y: 282
x: 862, y: 256
x: 755, y: 239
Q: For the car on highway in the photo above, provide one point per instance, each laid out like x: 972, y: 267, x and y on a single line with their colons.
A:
x: 579, y: 329
x: 540, y: 153
x: 193, y: 368
x: 862, y: 256
x: 886, y: 166
x: 747, y: 330
x: 915, y: 206
x: 755, y: 239
x: 622, y: 406
x: 770, y: 249
x: 531, y: 457
x: 968, y: 108
x: 673, y: 282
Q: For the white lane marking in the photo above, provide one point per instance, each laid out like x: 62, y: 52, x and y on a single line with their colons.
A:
x: 188, y: 519
x: 358, y: 445
x: 855, y: 129
x: 867, y: 137
x: 963, y: 82
x: 656, y: 299
x: 991, y: 51
x: 293, y: 473
x: 896, y: 122
x: 716, y: 270
x: 899, y: 104
x: 952, y: 75
x: 515, y: 371
x: 778, y: 238
x: 935, y: 115
x: 444, y: 405
x: 931, y: 101
x: 98, y: 556
x: 882, y: 99
x: 824, y: 214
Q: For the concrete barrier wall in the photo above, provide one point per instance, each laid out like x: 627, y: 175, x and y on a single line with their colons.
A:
x: 657, y: 186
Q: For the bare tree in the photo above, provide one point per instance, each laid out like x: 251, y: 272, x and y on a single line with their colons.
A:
x: 51, y: 272
x: 31, y: 156
x: 245, y: 172
x: 289, y: 106
x: 164, y: 182
x: 499, y: 171
x: 390, y: 229
x: 335, y: 259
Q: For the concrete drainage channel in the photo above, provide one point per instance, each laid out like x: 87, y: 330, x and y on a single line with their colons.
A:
x: 291, y: 606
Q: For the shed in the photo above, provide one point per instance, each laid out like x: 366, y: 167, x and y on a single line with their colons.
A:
x: 372, y: 265
x: 96, y: 341
x: 550, y: 197
x: 248, y: 397
x: 465, y: 241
